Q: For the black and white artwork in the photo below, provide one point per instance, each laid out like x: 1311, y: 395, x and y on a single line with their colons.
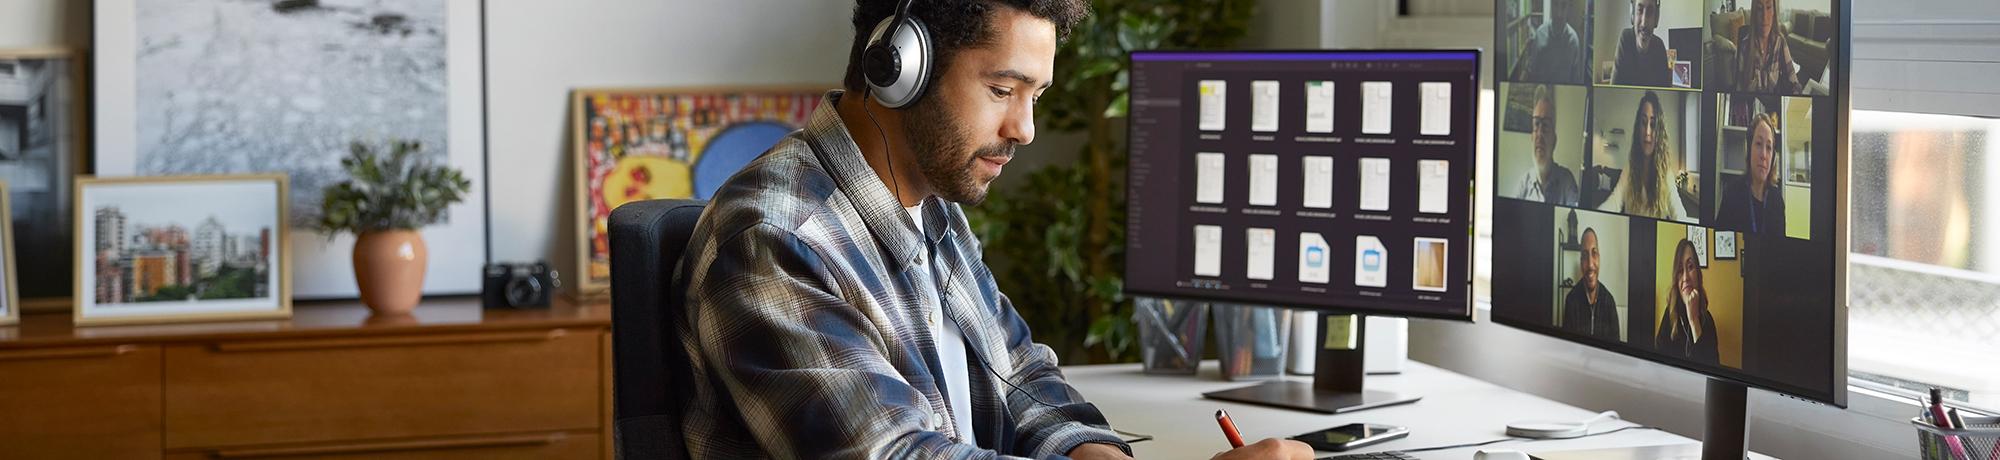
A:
x: 252, y: 86
x: 38, y: 156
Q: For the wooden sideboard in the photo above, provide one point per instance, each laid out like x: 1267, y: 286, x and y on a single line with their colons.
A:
x: 332, y: 382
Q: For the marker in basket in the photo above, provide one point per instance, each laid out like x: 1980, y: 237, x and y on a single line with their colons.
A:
x: 1943, y: 420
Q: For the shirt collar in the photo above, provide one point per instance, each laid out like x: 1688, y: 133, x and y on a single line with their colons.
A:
x: 880, y: 211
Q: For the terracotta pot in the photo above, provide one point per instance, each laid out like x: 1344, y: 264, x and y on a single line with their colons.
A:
x: 389, y: 267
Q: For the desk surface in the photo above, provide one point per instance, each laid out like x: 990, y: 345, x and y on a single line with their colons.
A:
x: 1455, y: 410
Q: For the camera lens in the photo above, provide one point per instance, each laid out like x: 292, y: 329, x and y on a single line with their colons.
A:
x: 522, y: 290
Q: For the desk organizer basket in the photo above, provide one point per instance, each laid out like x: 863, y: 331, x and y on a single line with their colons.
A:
x: 1979, y: 438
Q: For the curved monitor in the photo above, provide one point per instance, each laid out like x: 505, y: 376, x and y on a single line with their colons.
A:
x: 1329, y: 180
x: 1670, y: 182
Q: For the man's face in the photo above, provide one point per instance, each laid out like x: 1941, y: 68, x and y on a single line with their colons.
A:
x: 966, y: 129
x: 1545, y: 131
x: 1762, y: 143
x: 1588, y: 261
x: 1563, y: 11
x: 1645, y: 17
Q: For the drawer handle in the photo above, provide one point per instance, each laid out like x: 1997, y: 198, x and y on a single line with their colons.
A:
x: 68, y: 353
x: 402, y: 341
x: 396, y: 446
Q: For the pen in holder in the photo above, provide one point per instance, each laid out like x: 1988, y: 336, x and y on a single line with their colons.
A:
x: 1977, y: 440
x: 1170, y: 334
x: 1251, y: 341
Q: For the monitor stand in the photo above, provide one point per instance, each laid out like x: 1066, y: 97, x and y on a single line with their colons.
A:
x: 1336, y: 386
x: 1724, y: 437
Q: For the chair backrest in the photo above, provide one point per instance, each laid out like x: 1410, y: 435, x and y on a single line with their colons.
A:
x: 650, y: 370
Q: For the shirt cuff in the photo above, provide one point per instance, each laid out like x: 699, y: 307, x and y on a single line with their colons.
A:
x: 1075, y: 434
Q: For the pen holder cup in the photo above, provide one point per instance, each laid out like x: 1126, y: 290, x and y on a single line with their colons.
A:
x: 1251, y: 341
x: 1170, y: 334
x: 1979, y: 440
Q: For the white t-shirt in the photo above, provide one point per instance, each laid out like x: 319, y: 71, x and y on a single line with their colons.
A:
x: 950, y: 349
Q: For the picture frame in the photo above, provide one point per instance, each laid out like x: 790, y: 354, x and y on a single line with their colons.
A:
x: 10, y: 301
x: 45, y: 148
x: 631, y: 144
x: 1699, y: 236
x: 1725, y: 245
x: 251, y: 87
x: 182, y: 248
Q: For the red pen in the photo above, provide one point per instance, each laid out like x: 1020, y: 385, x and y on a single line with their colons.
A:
x: 1228, y: 429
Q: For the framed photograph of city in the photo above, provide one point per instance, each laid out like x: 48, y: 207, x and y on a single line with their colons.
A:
x: 41, y: 151
x: 10, y: 308
x: 181, y: 248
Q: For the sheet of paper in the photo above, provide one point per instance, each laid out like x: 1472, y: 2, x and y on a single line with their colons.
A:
x: 1264, y: 106
x: 1375, y: 184
x: 1319, y: 106
x: 1313, y: 263
x: 1319, y: 182
x: 1263, y: 243
x: 1436, y: 108
x: 1207, y: 250
x: 1340, y: 332
x: 1377, y: 106
x: 1263, y: 180
x: 1209, y: 171
x: 1433, y: 186
x: 1371, y: 262
x: 1214, y: 104
x: 1427, y: 274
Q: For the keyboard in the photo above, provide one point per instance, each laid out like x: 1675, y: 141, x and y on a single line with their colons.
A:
x: 1372, y: 456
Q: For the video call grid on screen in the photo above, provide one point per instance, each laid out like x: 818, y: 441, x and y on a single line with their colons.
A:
x: 1745, y: 101
x: 1335, y: 180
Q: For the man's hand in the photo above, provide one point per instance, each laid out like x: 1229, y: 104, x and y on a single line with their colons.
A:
x: 1095, y: 451
x: 1270, y: 448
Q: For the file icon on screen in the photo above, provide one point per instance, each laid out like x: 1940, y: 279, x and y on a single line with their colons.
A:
x: 1375, y: 184
x: 1436, y: 108
x: 1264, y: 106
x: 1377, y: 99
x: 1429, y: 272
x: 1319, y: 182
x: 1208, y: 175
x: 1214, y: 104
x: 1319, y: 106
x: 1263, y: 180
x: 1314, y: 266
x: 1433, y: 186
x: 1371, y: 262
x: 1207, y: 250
x: 1263, y: 244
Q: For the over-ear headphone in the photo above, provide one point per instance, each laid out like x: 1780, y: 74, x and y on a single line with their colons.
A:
x: 897, y: 62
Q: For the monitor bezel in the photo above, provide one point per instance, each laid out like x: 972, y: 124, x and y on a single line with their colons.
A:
x: 1836, y: 394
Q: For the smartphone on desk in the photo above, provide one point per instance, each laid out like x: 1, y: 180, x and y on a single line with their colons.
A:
x: 1352, y: 436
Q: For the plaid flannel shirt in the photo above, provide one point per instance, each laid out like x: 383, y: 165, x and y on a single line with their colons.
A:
x: 808, y: 322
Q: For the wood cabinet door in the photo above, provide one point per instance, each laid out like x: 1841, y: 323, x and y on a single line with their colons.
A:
x: 490, y: 447
x: 309, y: 390
x: 80, y: 402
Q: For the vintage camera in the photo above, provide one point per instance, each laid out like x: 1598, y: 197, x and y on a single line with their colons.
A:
x: 519, y: 285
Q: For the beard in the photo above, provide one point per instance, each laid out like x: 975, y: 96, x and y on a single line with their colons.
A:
x: 944, y: 156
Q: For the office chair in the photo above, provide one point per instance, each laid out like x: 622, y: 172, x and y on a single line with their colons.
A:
x: 650, y: 370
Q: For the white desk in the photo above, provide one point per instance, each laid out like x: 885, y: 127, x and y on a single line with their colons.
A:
x: 1455, y: 410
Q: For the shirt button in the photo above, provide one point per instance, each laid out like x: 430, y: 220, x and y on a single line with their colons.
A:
x: 937, y: 420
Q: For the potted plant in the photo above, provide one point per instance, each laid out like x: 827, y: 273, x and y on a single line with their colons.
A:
x: 384, y: 201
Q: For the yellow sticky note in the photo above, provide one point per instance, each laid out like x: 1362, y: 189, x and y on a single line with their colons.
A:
x: 1340, y: 332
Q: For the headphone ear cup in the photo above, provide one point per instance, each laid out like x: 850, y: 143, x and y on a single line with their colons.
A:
x: 898, y: 67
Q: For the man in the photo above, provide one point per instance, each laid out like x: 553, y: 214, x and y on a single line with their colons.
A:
x: 1555, y: 52
x: 1589, y: 309
x: 1642, y: 56
x: 1547, y: 182
x: 1754, y: 202
x: 838, y: 306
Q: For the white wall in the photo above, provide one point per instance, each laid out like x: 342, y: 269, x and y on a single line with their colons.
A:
x: 538, y: 51
x: 44, y: 23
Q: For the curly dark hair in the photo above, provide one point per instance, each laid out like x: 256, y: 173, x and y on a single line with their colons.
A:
x: 955, y: 25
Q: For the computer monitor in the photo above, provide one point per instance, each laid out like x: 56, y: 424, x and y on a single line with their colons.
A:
x: 1695, y: 219
x: 1337, y: 181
